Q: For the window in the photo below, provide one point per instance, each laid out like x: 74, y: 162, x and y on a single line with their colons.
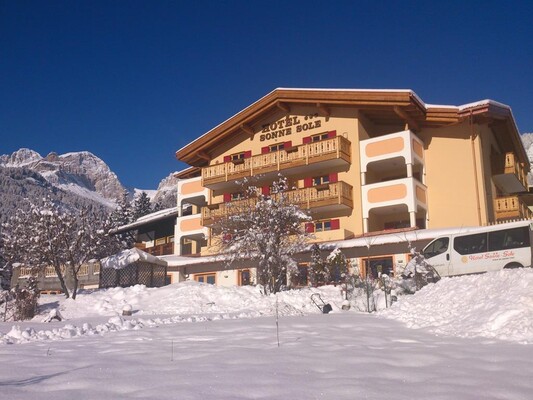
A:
x: 276, y: 147
x: 439, y: 246
x: 319, y: 137
x: 236, y: 196
x: 509, y: 239
x: 237, y: 156
x: 320, y: 180
x: 375, y: 267
x: 322, y: 226
x: 471, y: 244
x: 206, y: 278
x: 245, y: 278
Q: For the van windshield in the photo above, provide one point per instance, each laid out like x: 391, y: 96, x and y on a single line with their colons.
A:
x: 438, y: 246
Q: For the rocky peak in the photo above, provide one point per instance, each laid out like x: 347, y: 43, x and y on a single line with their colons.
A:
x: 19, y: 158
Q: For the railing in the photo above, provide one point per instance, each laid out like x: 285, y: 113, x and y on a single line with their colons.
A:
x: 339, y: 193
x: 160, y: 250
x: 337, y: 147
x: 511, y: 207
x: 508, y: 164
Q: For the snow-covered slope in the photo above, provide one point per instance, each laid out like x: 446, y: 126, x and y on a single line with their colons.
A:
x: 497, y: 305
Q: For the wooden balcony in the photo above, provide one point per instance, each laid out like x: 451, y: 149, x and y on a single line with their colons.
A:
x: 511, y: 207
x: 327, y: 197
x: 160, y: 250
x: 509, y: 174
x: 306, y: 158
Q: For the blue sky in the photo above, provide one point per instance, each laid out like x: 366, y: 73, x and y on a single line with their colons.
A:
x: 134, y: 81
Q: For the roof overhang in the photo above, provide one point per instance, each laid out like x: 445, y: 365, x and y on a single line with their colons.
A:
x: 168, y: 213
x: 402, y: 104
x: 406, y: 102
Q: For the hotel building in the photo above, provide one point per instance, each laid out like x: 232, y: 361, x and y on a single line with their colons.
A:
x: 364, y: 163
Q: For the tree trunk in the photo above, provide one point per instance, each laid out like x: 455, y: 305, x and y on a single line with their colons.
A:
x: 75, y: 279
x: 61, y: 280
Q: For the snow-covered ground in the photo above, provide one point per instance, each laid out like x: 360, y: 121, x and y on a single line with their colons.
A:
x: 195, y: 341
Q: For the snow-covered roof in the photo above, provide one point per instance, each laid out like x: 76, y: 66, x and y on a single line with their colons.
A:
x: 148, y: 219
x: 126, y: 257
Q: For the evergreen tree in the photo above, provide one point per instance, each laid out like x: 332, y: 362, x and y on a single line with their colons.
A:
x: 123, y: 215
x: 318, y: 269
x: 141, y: 206
x: 337, y: 266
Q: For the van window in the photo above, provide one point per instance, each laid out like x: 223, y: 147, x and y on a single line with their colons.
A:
x: 471, y: 244
x: 509, y: 239
x: 436, y: 247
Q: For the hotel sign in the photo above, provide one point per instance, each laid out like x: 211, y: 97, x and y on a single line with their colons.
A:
x: 289, y: 125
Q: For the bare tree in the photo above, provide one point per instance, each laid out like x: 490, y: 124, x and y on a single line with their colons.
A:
x: 268, y: 229
x: 48, y: 235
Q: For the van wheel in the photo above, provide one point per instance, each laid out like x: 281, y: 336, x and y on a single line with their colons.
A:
x: 513, y: 265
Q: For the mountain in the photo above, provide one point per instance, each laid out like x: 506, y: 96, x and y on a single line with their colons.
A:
x: 73, y: 179
x: 81, y: 173
x: 527, y: 140
x: 166, y: 193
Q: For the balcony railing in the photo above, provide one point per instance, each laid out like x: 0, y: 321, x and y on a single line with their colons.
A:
x: 337, y: 148
x: 511, y: 207
x: 509, y: 174
x: 328, y: 195
x: 160, y: 250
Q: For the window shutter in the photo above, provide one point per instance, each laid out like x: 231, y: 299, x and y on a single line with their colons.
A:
x: 227, y: 158
x: 265, y: 190
x: 309, y: 227
x: 306, y: 140
x: 265, y: 150
x: 335, y: 224
x: 332, y: 134
x: 248, y: 154
x: 333, y: 177
x: 308, y: 182
x: 227, y: 197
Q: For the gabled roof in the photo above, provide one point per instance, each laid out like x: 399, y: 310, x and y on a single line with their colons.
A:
x: 380, y: 105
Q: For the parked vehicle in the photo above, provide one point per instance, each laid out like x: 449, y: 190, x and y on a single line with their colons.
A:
x: 482, y: 249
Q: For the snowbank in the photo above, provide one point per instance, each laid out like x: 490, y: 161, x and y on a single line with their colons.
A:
x: 493, y: 305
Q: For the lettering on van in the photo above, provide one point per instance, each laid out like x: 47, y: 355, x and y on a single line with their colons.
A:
x: 493, y: 255
x: 289, y: 125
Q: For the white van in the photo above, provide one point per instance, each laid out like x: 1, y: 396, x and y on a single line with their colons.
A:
x: 482, y: 249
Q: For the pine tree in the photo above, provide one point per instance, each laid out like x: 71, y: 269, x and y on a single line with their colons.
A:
x: 265, y: 229
x: 141, y: 206
x: 318, y: 269
x: 123, y: 215
x: 337, y: 266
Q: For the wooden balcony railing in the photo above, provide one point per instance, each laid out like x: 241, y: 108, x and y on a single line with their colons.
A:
x: 338, y: 193
x: 160, y: 250
x: 508, y: 164
x: 511, y: 207
x: 329, y: 149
